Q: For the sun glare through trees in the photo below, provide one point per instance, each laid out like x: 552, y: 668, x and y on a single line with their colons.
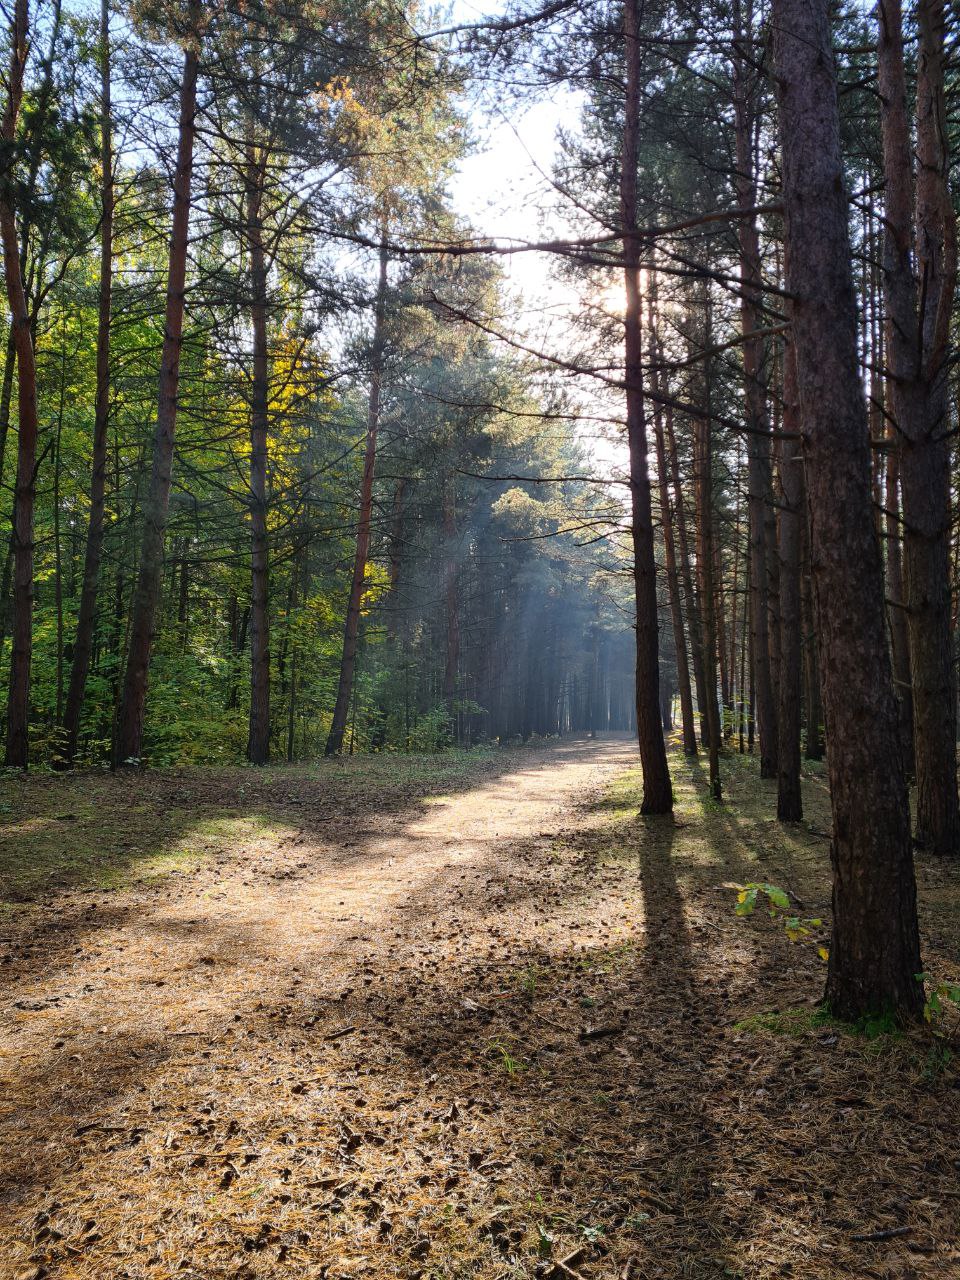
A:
x: 479, y: 578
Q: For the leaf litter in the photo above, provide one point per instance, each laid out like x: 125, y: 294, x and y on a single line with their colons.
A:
x: 521, y: 1033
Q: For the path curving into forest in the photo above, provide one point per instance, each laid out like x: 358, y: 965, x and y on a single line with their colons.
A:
x: 433, y: 1019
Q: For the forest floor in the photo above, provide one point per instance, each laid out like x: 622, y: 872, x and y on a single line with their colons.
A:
x: 450, y: 1017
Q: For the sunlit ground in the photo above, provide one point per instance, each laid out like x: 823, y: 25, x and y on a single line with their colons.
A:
x: 447, y: 1017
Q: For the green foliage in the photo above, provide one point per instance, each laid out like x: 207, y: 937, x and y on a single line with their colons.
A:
x: 940, y: 996
x: 503, y: 1052
x: 797, y: 928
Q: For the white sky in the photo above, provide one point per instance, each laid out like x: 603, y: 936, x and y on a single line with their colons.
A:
x: 503, y: 188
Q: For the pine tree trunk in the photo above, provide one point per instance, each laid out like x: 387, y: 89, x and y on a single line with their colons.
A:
x: 694, y: 628
x: 452, y: 604
x: 657, y: 789
x: 919, y: 270
x: 721, y: 617
x: 736, y: 680
x: 759, y: 476
x: 704, y: 525
x: 93, y: 556
x: 258, y: 739
x: 689, y: 728
x: 18, y: 695
x: 896, y: 599
x: 128, y: 737
x: 351, y: 633
x: 875, y: 951
x: 706, y: 559
x: 789, y: 798
x: 6, y: 393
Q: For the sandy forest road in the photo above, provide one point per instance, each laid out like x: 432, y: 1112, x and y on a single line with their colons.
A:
x: 133, y: 995
x: 486, y: 1025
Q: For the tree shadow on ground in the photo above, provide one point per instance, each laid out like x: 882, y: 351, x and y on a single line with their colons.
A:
x: 530, y: 1065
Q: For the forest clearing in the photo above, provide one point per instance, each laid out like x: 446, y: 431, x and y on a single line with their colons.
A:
x: 381, y: 1018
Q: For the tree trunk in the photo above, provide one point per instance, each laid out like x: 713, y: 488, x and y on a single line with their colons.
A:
x: 670, y: 555
x: 128, y: 737
x: 18, y: 695
x: 93, y: 556
x: 657, y: 790
x: 875, y: 952
x: 451, y: 593
x: 736, y: 684
x: 789, y: 799
x: 726, y: 679
x: 694, y: 629
x: 896, y: 600
x: 6, y: 393
x: 703, y: 489
x: 920, y: 268
x: 704, y: 486
x: 759, y: 477
x: 57, y: 530
x: 352, y: 626
x: 258, y: 740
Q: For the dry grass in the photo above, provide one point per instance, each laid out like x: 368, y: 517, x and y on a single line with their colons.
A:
x: 334, y: 1026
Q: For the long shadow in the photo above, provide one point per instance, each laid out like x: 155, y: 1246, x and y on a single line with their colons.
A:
x: 528, y: 1065
x: 104, y: 859
x: 92, y: 1067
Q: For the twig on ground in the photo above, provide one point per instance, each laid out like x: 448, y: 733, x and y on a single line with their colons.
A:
x: 890, y: 1233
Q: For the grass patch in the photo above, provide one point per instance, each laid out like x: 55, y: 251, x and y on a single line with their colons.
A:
x: 783, y: 1022
x: 800, y: 1022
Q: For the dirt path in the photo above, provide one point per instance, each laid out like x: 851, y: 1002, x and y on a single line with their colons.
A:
x: 334, y: 1024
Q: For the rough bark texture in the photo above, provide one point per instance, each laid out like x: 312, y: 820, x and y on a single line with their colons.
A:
x: 657, y: 789
x: 875, y: 951
x: 18, y: 695
x: 93, y: 555
x: 694, y: 629
x: 919, y: 272
x: 896, y: 601
x: 705, y: 559
x: 789, y: 800
x: 759, y: 473
x: 351, y: 633
x: 258, y: 740
x: 689, y: 728
x: 658, y: 792
x: 812, y: 702
x: 128, y: 737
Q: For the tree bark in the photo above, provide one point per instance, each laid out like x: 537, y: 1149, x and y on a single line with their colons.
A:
x: 18, y: 695
x: 759, y: 474
x: 875, y: 951
x: 694, y: 629
x: 258, y: 739
x: 351, y: 632
x: 657, y: 789
x: 703, y: 489
x: 93, y: 556
x: 896, y: 600
x: 919, y: 270
x: 789, y: 798
x: 452, y: 604
x: 689, y: 728
x: 128, y: 736
x: 704, y: 525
